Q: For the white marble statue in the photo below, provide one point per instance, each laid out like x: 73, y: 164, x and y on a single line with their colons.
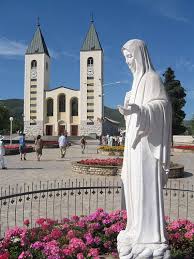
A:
x: 147, y: 112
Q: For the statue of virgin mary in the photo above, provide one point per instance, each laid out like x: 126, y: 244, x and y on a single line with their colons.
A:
x: 147, y: 112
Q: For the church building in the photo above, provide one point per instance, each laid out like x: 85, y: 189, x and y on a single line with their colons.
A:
x: 63, y: 109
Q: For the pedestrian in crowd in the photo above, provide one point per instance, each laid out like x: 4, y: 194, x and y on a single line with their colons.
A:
x: 110, y: 141
x: 83, y: 144
x: 120, y: 140
x: 63, y: 144
x: 38, y: 147
x: 103, y: 140
x: 22, y: 146
x: 2, y: 153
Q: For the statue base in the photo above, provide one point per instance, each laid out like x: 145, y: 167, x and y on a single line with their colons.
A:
x: 143, y: 251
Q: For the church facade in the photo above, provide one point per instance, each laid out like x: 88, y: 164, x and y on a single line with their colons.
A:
x: 63, y: 109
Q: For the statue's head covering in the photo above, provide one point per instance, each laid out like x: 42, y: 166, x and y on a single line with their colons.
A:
x: 140, y: 53
x: 142, y: 60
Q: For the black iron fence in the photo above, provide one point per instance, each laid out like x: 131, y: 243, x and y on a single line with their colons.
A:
x: 56, y: 200
x: 61, y: 199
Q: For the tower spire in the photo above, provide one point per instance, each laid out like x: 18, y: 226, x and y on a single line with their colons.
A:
x: 91, y: 17
x: 38, y: 21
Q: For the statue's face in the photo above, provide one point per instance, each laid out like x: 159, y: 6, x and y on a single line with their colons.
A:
x: 130, y: 60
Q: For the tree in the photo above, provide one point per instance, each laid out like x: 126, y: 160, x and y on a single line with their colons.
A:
x: 176, y: 95
x: 4, y: 119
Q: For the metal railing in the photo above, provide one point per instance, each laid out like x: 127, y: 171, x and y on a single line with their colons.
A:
x: 56, y: 200
x: 59, y: 199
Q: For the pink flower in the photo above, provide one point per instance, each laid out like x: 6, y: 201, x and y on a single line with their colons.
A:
x: 93, y: 252
x: 40, y: 221
x: 70, y: 234
x: 26, y: 222
x: 25, y: 255
x: 4, y: 256
x: 80, y: 256
x: 56, y: 233
x: 75, y: 218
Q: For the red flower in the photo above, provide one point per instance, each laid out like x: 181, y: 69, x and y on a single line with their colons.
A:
x: 26, y: 222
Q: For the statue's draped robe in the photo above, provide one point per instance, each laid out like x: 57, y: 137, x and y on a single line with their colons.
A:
x: 146, y: 161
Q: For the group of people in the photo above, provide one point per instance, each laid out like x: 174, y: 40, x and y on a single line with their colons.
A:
x: 112, y: 140
x: 38, y: 146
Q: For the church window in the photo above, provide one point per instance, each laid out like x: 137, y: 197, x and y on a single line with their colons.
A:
x: 90, y: 97
x: 62, y: 103
x: 46, y: 65
x: 90, y: 110
x: 33, y: 98
x: 74, y: 107
x: 90, y: 91
x: 90, y: 117
x: 33, y: 64
x: 33, y: 86
x: 90, y: 104
x: 90, y: 61
x: 33, y: 92
x: 90, y: 123
x: 50, y: 107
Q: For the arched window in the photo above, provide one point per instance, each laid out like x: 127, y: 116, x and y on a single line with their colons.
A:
x: 90, y: 61
x: 50, y: 107
x: 74, y: 107
x: 33, y: 64
x: 62, y: 103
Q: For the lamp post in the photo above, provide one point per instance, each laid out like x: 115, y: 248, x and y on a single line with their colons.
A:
x: 11, y: 121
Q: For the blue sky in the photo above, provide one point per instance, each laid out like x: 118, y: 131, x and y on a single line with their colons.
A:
x: 167, y: 26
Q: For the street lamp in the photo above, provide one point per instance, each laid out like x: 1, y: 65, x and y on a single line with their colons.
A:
x: 11, y: 121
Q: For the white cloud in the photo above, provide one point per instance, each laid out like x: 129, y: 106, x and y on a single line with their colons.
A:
x: 11, y: 48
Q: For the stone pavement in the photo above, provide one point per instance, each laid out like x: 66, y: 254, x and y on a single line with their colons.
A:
x: 52, y: 167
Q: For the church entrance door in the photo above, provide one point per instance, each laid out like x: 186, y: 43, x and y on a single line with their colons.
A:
x: 74, y: 130
x: 61, y: 129
x: 49, y: 130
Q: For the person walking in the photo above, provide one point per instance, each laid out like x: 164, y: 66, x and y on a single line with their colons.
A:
x: 2, y: 153
x: 83, y: 144
x: 22, y: 146
x: 62, y: 144
x: 38, y: 147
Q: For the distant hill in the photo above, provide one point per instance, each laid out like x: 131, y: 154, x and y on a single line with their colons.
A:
x: 16, y: 110
x: 114, y: 115
x: 15, y: 106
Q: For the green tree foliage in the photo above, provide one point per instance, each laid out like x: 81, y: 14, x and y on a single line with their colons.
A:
x: 176, y: 95
x: 4, y: 119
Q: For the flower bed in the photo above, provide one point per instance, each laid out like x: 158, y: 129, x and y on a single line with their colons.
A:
x: 98, y: 166
x: 111, y: 150
x: 14, y: 149
x: 85, y: 237
x: 50, y: 144
x: 185, y: 148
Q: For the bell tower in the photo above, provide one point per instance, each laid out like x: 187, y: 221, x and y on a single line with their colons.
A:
x: 36, y: 81
x: 91, y: 84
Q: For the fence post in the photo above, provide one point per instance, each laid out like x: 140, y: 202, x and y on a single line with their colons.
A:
x: 123, y: 204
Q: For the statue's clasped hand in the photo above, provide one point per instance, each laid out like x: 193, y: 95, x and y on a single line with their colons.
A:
x: 131, y: 108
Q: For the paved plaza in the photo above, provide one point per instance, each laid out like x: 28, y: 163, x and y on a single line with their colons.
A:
x: 52, y: 167
x: 56, y: 204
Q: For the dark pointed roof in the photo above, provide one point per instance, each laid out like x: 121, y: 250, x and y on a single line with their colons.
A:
x: 37, y: 45
x: 91, y: 41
